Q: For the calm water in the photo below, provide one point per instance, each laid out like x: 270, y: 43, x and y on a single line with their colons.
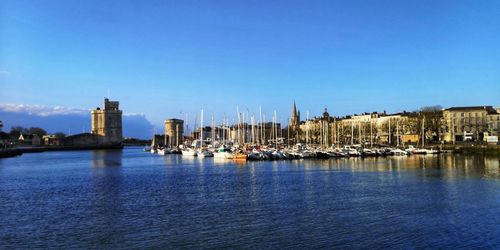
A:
x: 130, y: 199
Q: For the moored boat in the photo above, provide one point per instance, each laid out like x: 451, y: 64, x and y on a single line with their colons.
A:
x: 204, y: 153
x: 240, y: 157
x: 189, y: 152
x: 223, y: 153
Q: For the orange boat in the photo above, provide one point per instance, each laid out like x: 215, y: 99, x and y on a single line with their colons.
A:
x: 240, y: 157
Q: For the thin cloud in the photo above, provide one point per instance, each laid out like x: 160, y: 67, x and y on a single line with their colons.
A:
x: 4, y: 72
x: 41, y: 110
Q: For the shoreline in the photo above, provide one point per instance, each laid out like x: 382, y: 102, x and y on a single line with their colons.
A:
x: 12, y: 152
x: 67, y: 148
x: 490, y: 150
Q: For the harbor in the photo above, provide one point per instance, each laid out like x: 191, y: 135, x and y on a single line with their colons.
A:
x: 168, y: 124
x: 323, y: 137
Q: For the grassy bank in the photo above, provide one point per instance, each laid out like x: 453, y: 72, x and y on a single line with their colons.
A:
x: 491, y: 150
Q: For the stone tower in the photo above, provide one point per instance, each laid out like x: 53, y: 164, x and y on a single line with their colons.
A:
x: 107, y: 123
x: 174, y: 129
x: 295, y: 122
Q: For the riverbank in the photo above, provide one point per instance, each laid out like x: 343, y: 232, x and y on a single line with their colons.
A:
x: 4, y: 153
x: 66, y: 148
x: 490, y: 150
x: 12, y: 152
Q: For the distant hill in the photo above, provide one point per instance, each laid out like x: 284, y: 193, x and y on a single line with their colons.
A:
x: 66, y: 120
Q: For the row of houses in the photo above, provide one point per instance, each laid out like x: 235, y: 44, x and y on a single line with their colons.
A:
x: 436, y: 125
x: 451, y: 125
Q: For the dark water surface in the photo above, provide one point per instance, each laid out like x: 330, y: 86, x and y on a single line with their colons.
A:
x: 132, y: 199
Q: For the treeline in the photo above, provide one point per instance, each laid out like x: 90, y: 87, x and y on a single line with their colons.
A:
x: 16, y: 131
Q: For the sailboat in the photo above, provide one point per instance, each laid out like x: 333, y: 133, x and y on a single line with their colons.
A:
x: 423, y: 150
x: 202, y: 152
x: 187, y: 151
x: 153, y: 148
x: 223, y: 153
x: 165, y: 150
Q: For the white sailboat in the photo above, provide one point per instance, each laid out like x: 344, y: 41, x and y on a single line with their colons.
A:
x: 223, y: 153
x: 154, y: 148
x: 202, y: 152
x: 165, y: 150
x: 187, y: 151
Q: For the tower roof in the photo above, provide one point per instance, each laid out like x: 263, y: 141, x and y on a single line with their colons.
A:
x: 294, y: 110
x: 325, y: 114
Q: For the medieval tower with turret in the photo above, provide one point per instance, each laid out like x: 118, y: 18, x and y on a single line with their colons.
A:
x: 107, y: 123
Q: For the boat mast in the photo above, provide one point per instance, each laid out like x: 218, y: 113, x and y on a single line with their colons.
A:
x: 213, y: 130
x: 264, y: 129
x: 201, y: 129
x: 423, y: 132
x: 187, y: 124
x: 352, y: 132
x: 453, y: 129
x: 389, y: 131
x: 307, y: 128
x: 260, y: 125
x: 276, y: 129
x: 153, y: 141
x: 371, y: 133
x: 397, y: 132
x: 280, y: 130
x: 288, y: 133
x: 238, y: 127
x: 271, y: 134
x: 359, y: 133
x: 253, y: 130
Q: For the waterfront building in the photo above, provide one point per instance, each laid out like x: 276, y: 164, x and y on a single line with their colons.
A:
x: 174, y: 130
x: 52, y: 140
x: 469, y: 123
x: 319, y: 130
x: 493, y: 121
x: 107, y: 123
x: 367, y: 128
x: 26, y: 139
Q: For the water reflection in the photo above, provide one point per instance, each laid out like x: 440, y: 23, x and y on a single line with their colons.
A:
x: 96, y: 199
x: 446, y: 166
x: 106, y: 158
x: 171, y: 160
x: 105, y: 192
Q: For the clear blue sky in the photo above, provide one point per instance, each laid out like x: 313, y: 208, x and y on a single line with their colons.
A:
x: 162, y: 58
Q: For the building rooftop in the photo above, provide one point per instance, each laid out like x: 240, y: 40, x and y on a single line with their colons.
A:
x: 489, y: 109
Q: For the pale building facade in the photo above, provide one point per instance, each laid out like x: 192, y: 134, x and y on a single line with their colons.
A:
x: 367, y: 128
x: 107, y: 123
x: 468, y: 123
x: 375, y: 128
x: 494, y: 124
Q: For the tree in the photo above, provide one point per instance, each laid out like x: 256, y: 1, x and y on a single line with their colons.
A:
x: 434, y: 121
x: 60, y: 135
x: 37, y: 131
x: 16, y: 131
